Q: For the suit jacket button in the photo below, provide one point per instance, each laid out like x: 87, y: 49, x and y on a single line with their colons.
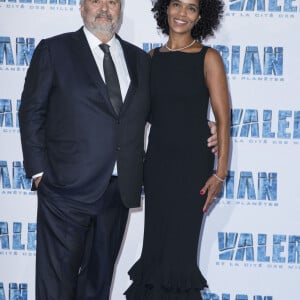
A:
x: 118, y: 148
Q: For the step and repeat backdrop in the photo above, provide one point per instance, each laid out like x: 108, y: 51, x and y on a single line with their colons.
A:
x: 250, y: 245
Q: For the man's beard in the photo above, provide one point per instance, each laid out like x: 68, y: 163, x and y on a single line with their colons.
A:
x: 104, y: 30
x: 107, y: 29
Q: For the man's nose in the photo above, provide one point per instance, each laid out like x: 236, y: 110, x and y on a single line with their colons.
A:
x: 104, y: 5
x: 183, y: 10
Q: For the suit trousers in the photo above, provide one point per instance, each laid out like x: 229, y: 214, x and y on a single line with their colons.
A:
x: 77, y: 245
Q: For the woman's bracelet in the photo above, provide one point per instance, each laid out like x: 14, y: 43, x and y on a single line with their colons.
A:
x: 219, y: 178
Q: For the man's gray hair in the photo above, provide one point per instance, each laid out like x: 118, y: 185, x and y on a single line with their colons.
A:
x: 121, y: 1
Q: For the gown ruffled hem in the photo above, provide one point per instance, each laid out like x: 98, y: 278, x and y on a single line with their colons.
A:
x: 155, y: 284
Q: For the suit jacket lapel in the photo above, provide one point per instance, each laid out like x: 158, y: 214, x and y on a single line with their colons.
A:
x: 130, y: 58
x: 88, y: 64
x: 86, y: 59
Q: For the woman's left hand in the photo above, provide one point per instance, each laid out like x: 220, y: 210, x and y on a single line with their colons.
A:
x: 212, y: 187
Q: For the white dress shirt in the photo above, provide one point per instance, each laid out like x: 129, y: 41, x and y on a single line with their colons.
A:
x: 117, y: 55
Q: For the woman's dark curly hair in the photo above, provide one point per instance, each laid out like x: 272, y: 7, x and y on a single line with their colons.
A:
x: 211, y: 11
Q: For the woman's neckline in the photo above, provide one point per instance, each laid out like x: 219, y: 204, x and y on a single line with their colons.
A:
x: 163, y: 52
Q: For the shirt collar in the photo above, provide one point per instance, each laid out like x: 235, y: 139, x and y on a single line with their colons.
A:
x: 94, y: 42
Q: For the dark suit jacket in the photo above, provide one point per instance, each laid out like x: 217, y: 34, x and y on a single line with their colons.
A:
x: 68, y: 126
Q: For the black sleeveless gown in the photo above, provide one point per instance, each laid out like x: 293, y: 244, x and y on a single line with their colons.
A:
x: 177, y: 165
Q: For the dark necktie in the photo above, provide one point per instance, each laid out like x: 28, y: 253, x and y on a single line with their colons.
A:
x: 111, y: 79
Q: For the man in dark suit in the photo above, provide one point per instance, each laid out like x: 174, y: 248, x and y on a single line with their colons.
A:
x: 84, y: 149
x: 84, y: 154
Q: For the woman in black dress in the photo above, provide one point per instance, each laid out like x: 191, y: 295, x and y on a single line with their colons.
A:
x: 178, y: 179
